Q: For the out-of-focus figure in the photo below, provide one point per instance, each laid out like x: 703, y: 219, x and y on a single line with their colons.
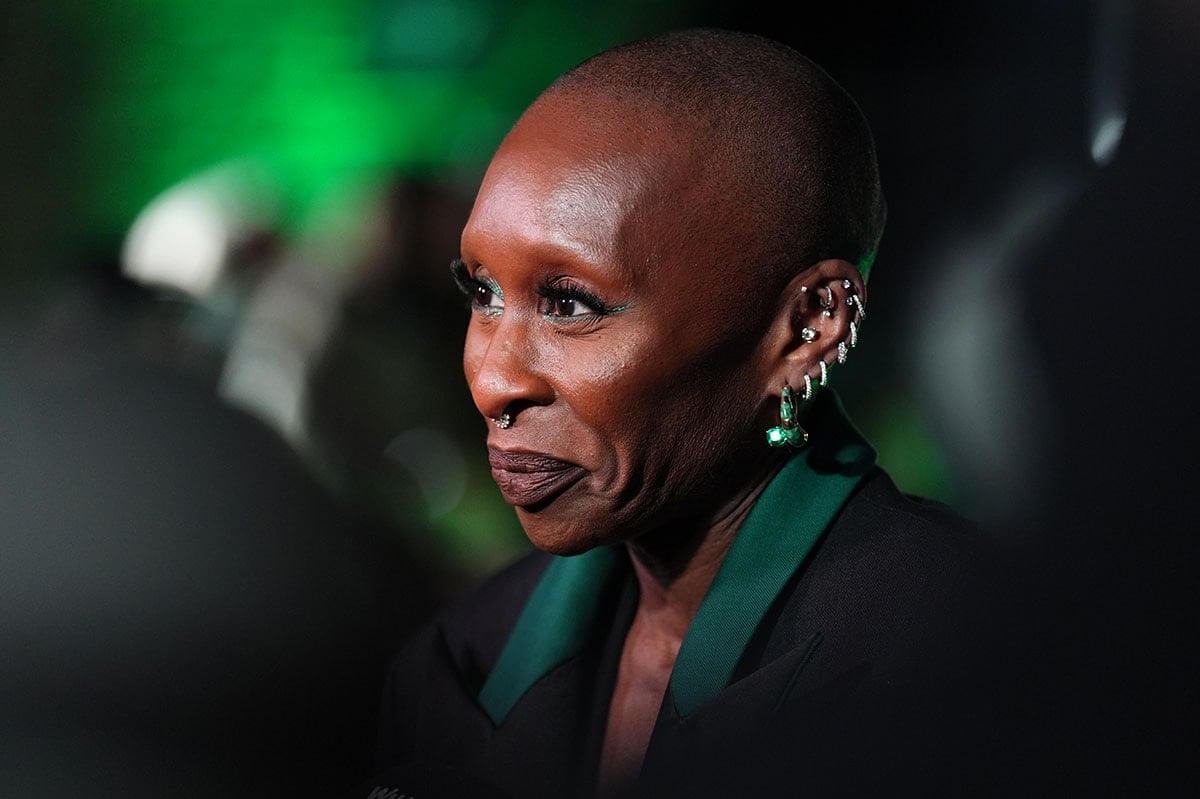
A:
x: 183, y: 605
x: 382, y: 406
x: 334, y: 331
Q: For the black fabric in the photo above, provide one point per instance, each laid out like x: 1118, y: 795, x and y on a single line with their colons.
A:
x: 882, y: 666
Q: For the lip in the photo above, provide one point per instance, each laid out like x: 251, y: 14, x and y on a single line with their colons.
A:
x: 531, y: 478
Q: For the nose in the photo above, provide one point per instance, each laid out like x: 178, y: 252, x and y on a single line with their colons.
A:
x: 501, y: 364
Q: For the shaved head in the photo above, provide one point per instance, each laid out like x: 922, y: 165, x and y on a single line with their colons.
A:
x: 789, y: 159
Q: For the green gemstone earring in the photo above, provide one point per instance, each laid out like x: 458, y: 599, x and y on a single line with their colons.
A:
x: 788, y: 432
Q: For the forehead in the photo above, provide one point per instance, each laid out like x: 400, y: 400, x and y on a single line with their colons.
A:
x: 593, y: 180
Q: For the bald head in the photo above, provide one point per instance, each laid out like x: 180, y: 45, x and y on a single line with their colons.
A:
x: 788, y: 155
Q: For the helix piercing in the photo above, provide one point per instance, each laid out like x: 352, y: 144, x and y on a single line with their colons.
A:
x: 855, y: 300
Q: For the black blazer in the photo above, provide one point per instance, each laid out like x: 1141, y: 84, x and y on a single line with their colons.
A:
x: 879, y: 669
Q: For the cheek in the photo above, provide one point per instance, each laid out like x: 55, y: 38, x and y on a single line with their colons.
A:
x: 666, y: 428
x: 611, y: 380
x: 640, y: 403
x: 700, y: 406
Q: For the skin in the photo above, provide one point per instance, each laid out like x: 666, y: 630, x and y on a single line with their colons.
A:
x: 647, y: 422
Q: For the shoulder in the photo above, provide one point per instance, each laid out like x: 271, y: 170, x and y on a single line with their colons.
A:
x: 468, y: 634
x: 480, y: 621
x: 429, y: 697
x: 904, y: 535
x: 880, y: 500
x: 894, y: 572
x: 906, y: 599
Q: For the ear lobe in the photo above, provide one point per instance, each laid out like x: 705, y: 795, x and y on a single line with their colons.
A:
x: 827, y: 307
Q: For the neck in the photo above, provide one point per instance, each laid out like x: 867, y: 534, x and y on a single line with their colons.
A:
x: 675, y: 569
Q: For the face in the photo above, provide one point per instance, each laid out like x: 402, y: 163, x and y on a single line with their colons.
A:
x: 623, y: 349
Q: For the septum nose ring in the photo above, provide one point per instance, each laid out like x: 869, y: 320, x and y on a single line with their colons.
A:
x: 503, y: 421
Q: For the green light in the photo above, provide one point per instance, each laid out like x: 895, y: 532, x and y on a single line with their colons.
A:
x: 288, y: 85
x: 318, y: 92
x: 907, y: 449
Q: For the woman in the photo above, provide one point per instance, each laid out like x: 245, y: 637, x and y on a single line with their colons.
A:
x: 666, y: 262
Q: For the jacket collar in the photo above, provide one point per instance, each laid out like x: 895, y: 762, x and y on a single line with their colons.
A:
x: 789, y: 518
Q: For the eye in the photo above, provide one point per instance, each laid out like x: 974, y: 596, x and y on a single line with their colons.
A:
x: 563, y: 298
x: 486, y: 297
x: 484, y: 294
x: 566, y: 306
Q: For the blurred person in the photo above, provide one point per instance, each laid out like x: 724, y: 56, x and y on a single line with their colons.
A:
x: 184, y: 609
x: 381, y: 409
x: 333, y: 335
x: 396, y: 322
x: 667, y: 263
x: 1121, y: 533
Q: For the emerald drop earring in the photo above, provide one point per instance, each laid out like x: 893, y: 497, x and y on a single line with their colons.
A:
x: 788, y: 432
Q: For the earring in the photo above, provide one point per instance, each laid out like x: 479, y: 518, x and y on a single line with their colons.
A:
x: 808, y: 334
x: 503, y: 421
x: 855, y: 301
x: 824, y: 374
x: 808, y: 388
x: 843, y: 352
x: 826, y: 302
x: 787, y: 432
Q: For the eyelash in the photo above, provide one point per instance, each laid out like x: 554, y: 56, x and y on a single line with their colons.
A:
x: 562, y: 289
x: 555, y: 290
x: 473, y: 288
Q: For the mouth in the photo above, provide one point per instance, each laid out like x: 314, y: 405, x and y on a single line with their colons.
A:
x: 527, y: 479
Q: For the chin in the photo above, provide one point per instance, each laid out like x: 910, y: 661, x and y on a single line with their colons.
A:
x: 557, y: 538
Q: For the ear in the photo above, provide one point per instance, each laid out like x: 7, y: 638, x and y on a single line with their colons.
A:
x: 818, y: 324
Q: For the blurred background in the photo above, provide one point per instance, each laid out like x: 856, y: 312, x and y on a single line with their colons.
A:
x: 239, y: 456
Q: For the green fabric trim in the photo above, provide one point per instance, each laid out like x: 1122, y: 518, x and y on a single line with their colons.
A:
x: 788, y: 519
x: 551, y: 629
x: 794, y: 510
